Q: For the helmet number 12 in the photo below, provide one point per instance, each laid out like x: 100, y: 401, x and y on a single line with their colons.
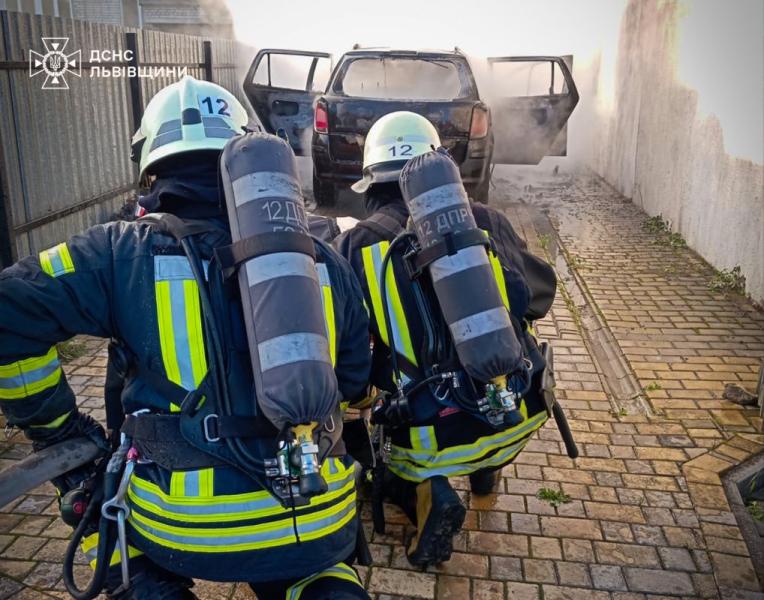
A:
x: 210, y: 104
x: 400, y: 150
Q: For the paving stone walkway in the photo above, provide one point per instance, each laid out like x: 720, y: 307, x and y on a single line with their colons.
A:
x: 647, y: 516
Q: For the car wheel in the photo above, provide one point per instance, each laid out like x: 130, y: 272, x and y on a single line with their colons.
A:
x: 481, y: 190
x: 324, y: 192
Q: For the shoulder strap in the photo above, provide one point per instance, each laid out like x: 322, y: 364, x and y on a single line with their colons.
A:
x: 383, y: 223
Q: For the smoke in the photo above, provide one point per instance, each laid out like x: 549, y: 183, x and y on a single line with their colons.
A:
x: 587, y: 29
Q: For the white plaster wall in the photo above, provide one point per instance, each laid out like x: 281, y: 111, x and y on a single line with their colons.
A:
x: 682, y: 130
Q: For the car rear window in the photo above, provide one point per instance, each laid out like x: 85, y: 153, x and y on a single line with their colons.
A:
x: 402, y: 78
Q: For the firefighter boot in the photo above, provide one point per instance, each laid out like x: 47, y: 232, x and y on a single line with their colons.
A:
x: 402, y: 493
x: 483, y: 482
x: 440, y: 515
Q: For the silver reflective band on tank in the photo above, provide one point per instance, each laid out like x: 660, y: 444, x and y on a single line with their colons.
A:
x: 280, y: 264
x: 479, y: 324
x: 439, y: 198
x: 467, y: 258
x: 266, y: 184
x: 293, y: 348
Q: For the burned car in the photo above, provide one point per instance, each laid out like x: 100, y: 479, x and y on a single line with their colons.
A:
x: 326, y: 110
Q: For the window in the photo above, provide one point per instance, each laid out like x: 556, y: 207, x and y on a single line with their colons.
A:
x: 528, y: 78
x: 291, y: 72
x: 405, y: 79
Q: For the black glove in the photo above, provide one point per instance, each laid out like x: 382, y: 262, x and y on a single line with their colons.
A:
x: 77, y: 425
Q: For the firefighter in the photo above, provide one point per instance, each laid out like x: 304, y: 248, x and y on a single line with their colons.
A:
x: 198, y: 494
x: 432, y: 433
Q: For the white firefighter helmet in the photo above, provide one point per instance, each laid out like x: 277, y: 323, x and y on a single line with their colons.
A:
x: 186, y: 116
x: 391, y: 141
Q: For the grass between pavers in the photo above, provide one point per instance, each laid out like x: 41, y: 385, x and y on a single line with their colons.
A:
x: 71, y: 350
x: 554, y: 497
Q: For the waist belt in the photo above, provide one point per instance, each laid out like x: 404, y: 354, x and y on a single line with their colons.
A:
x: 158, y: 438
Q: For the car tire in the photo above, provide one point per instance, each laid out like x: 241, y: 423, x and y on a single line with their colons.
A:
x: 324, y: 192
x: 481, y: 190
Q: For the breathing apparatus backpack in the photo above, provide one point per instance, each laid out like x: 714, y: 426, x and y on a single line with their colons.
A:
x: 279, y: 435
x: 473, y: 357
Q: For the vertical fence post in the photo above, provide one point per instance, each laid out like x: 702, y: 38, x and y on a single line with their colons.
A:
x: 207, y: 50
x: 7, y: 246
x: 7, y: 235
x: 136, y: 102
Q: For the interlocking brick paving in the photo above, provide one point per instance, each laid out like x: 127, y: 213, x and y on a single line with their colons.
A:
x: 647, y: 516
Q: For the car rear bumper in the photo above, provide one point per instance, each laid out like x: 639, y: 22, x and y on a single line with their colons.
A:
x: 473, y: 169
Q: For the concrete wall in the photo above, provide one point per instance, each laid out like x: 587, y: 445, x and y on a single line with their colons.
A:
x: 682, y: 132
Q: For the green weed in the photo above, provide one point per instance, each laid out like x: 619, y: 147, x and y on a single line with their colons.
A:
x: 655, y: 224
x: 71, y: 349
x: 676, y: 241
x: 756, y: 510
x: 652, y: 387
x: 728, y: 280
x: 553, y: 497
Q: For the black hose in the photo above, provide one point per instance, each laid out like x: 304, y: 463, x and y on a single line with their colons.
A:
x: 426, y: 381
x: 237, y: 447
x: 107, y: 540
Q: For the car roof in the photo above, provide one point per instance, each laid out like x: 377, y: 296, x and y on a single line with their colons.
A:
x: 403, y: 51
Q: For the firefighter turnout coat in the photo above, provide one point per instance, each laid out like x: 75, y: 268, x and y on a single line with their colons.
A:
x: 131, y: 282
x: 443, y: 440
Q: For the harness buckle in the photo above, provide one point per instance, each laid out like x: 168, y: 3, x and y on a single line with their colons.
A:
x: 211, y: 429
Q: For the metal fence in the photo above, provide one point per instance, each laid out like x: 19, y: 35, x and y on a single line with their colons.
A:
x: 64, y: 154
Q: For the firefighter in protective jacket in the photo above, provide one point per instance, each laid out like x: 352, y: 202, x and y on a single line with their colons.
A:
x: 201, y: 477
x: 437, y: 421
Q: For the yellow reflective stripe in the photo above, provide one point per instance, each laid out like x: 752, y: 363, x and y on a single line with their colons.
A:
x: 45, y: 263
x: 330, y: 324
x: 30, y: 376
x: 423, y: 438
x: 206, y: 482
x: 344, y: 405
x: 498, y: 273
x: 66, y: 258
x: 225, y: 502
x: 139, y: 522
x: 338, y: 571
x: 89, y: 548
x: 469, y: 452
x: 55, y: 422
x: 530, y: 329
x: 400, y: 325
x: 56, y: 261
x: 371, y: 279
x: 195, y: 334
x: 400, y: 316
x: 28, y: 364
x: 178, y: 484
x: 174, y: 408
x: 166, y: 336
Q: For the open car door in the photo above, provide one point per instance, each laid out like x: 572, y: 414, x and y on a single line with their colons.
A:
x: 531, y: 100
x: 282, y: 85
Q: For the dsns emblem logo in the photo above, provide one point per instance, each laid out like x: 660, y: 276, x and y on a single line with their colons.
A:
x: 55, y: 63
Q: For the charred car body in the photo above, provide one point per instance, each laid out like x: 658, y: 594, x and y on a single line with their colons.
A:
x: 326, y: 111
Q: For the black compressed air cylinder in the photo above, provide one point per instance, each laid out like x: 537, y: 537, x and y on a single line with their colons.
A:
x: 464, y: 282
x: 281, y: 297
